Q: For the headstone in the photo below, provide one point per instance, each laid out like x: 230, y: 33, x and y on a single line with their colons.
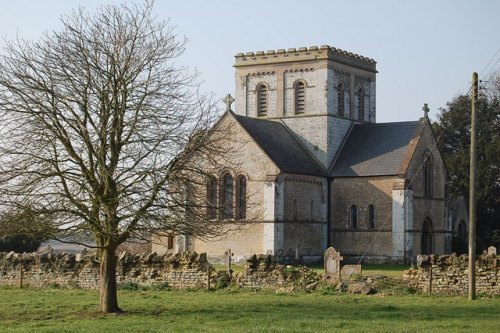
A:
x: 332, y: 261
x: 492, y: 251
x: 348, y: 270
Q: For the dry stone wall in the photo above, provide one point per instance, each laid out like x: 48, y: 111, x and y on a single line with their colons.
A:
x: 448, y: 274
x: 187, y: 270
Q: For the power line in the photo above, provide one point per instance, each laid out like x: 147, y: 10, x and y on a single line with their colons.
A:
x: 489, y: 62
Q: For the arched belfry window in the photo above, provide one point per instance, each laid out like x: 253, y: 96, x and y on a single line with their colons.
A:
x: 353, y: 212
x: 427, y: 174
x: 361, y: 104
x: 212, y: 197
x: 370, y: 216
x: 262, y: 96
x: 341, y: 99
x: 300, y: 97
x: 226, y: 196
x: 427, y: 237
x: 241, y: 197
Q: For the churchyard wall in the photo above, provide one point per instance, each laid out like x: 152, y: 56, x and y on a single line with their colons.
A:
x: 188, y: 270
x: 448, y: 274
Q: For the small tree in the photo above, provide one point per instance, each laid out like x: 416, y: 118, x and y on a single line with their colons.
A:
x: 98, y: 126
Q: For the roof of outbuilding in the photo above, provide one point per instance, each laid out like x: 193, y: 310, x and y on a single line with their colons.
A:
x: 280, y: 145
x: 376, y: 149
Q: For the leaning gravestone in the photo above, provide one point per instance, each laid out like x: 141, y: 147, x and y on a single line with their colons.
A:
x: 492, y: 251
x: 332, y: 262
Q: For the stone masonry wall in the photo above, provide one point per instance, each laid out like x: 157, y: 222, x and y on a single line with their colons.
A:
x: 187, y: 270
x: 450, y: 274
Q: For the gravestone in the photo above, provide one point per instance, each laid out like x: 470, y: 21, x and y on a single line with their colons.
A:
x: 332, y: 261
x: 492, y: 251
x: 348, y: 270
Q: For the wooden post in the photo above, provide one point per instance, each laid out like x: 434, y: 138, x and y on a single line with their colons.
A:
x: 209, y: 273
x: 21, y: 276
x: 472, y: 192
x: 229, y: 268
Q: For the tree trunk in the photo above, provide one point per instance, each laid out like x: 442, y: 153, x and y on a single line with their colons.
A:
x: 108, y: 298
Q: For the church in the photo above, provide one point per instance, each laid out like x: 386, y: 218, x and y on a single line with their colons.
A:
x: 314, y: 169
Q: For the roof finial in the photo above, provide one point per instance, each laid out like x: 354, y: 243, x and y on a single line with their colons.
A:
x: 425, y: 108
x: 228, y: 100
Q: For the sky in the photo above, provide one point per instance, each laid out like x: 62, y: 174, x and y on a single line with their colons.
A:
x: 426, y: 50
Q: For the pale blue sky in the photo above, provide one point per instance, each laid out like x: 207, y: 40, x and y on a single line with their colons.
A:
x: 425, y: 50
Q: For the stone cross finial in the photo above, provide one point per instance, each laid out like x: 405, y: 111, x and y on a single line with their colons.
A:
x: 228, y: 100
x: 425, y: 108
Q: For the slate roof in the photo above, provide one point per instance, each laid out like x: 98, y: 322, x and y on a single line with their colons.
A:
x: 280, y: 145
x: 375, y: 149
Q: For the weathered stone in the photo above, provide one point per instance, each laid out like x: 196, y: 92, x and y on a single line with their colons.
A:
x: 349, y: 270
x: 359, y: 288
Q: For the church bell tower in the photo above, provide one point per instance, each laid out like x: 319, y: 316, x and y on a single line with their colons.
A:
x: 316, y: 92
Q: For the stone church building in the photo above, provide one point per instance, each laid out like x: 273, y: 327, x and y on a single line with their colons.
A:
x: 316, y: 169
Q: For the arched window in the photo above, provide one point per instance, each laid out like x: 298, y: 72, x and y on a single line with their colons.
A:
x: 427, y: 237
x: 212, y: 197
x: 341, y: 99
x: 371, y: 217
x: 461, y: 230
x: 427, y: 174
x: 262, y: 100
x: 241, y: 197
x: 361, y: 104
x: 353, y: 211
x: 312, y: 210
x: 300, y: 97
x: 227, y: 196
x: 295, y: 209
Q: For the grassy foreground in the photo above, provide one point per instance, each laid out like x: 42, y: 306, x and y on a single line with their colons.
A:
x: 58, y: 310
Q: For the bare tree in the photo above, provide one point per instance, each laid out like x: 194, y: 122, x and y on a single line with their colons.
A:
x: 98, y: 124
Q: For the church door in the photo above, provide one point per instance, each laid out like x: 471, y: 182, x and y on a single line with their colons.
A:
x: 427, y: 237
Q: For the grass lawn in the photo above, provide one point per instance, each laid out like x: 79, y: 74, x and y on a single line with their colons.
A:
x: 58, y: 310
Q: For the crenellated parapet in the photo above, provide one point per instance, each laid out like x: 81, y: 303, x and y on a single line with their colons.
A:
x: 312, y: 53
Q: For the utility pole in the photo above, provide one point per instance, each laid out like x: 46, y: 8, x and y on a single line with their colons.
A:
x: 472, y: 191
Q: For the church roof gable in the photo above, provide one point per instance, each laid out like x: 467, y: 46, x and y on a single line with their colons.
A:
x: 280, y: 145
x: 377, y: 149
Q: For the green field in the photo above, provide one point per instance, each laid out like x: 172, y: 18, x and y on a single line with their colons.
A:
x: 59, y: 310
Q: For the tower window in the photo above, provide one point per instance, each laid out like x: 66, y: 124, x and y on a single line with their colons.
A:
x: 295, y: 209
x: 361, y: 104
x: 300, y: 97
x: 262, y: 94
x: 341, y: 99
x: 170, y: 242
